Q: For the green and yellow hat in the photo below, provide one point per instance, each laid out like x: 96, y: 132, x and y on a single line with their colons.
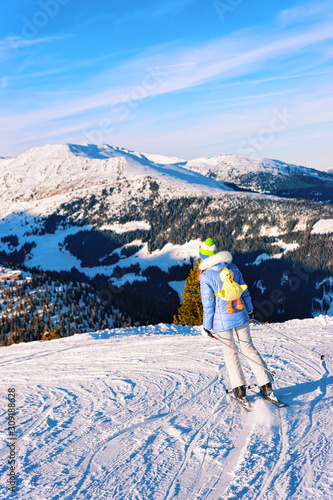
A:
x: 207, y: 249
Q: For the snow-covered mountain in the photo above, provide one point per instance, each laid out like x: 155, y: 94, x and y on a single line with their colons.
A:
x: 43, y: 178
x: 266, y: 176
x: 142, y: 414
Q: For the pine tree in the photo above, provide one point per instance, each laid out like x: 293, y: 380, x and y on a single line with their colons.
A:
x: 190, y: 311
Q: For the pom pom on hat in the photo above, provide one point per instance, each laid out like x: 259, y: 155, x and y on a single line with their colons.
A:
x: 207, y: 249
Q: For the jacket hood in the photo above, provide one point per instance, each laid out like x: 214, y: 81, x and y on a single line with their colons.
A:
x: 215, y: 259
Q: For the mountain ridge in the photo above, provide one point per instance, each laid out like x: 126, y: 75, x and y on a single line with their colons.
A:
x: 267, y: 176
x: 56, y: 170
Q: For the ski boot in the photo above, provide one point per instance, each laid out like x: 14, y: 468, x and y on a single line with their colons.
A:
x: 267, y: 392
x: 240, y: 393
x: 266, y: 389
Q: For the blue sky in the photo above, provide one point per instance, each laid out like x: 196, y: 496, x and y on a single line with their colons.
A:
x: 185, y: 78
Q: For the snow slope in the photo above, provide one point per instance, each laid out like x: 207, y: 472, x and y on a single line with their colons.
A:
x: 323, y: 226
x: 50, y: 254
x: 265, y: 175
x: 142, y: 414
x: 230, y: 167
x: 43, y: 178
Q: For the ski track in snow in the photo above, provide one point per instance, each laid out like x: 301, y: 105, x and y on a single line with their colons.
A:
x: 143, y: 415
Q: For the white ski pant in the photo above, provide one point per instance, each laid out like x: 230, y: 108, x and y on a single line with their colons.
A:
x: 231, y: 358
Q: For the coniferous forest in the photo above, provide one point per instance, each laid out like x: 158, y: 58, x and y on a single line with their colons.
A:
x: 45, y: 305
x: 287, y: 266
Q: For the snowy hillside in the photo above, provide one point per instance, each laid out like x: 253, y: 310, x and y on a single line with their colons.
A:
x: 43, y: 178
x: 142, y: 414
x: 266, y: 176
x: 228, y: 167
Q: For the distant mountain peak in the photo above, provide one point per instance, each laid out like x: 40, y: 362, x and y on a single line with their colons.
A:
x: 265, y: 175
x: 69, y: 171
x: 58, y: 173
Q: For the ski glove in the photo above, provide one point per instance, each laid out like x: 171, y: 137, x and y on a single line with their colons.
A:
x: 206, y: 333
x: 251, y: 314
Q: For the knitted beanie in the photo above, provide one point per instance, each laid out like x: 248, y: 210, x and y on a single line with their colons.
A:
x: 207, y: 249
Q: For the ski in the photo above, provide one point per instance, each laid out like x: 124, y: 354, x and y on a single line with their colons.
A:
x: 275, y: 401
x: 244, y: 404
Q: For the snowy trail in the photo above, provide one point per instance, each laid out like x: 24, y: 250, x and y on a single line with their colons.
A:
x: 142, y: 414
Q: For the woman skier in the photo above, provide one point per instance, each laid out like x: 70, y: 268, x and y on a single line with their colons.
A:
x: 227, y: 309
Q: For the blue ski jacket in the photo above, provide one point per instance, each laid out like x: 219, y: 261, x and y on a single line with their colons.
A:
x: 215, y: 310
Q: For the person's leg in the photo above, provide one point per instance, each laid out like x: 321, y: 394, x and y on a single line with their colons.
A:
x: 258, y: 366
x: 231, y: 359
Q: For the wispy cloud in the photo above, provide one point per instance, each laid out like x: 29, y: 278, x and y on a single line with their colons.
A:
x: 12, y: 43
x: 281, y: 78
x: 225, y: 134
x: 174, y: 70
x: 306, y: 12
x: 177, y: 69
x: 244, y: 98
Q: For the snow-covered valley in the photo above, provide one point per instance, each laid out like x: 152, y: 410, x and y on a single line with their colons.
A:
x: 142, y: 414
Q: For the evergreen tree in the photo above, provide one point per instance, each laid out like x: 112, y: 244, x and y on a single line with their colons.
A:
x: 190, y: 311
